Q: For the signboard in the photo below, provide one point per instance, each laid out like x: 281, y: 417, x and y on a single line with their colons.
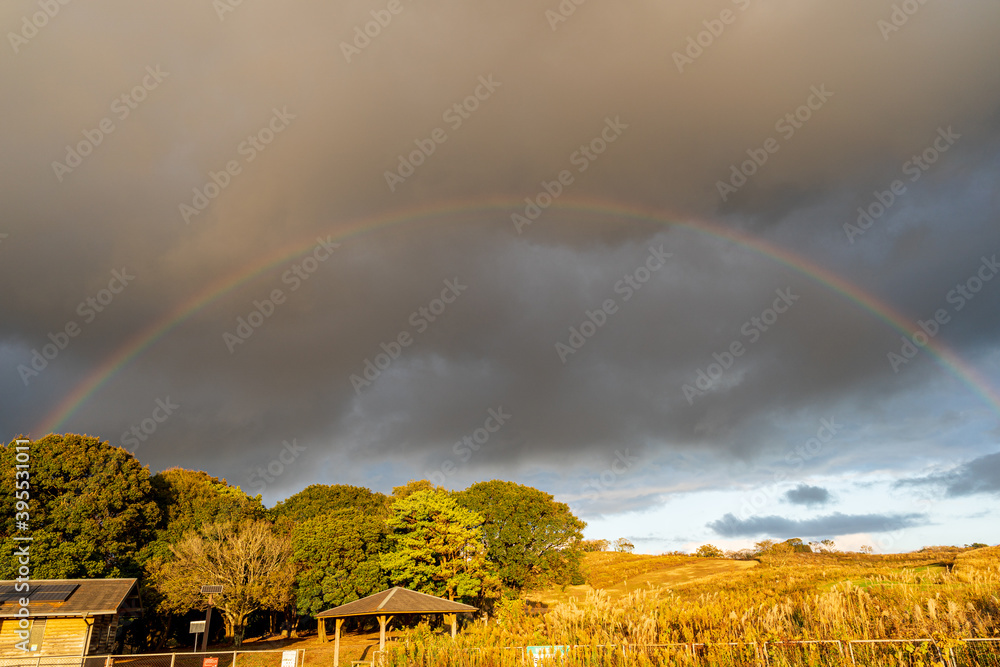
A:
x: 197, y: 626
x: 539, y: 653
x: 288, y: 659
x: 210, y: 662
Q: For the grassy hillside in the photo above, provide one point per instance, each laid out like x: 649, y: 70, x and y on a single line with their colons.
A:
x: 947, y: 594
x: 619, y: 574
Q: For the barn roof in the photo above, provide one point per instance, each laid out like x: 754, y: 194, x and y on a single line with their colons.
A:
x: 396, y: 601
x: 65, y: 597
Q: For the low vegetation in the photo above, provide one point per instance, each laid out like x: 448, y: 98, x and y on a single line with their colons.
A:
x: 946, y: 595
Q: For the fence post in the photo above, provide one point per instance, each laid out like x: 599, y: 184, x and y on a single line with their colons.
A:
x: 173, y: 656
x: 234, y: 658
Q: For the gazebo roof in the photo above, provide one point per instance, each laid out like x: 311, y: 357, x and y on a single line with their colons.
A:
x: 396, y: 601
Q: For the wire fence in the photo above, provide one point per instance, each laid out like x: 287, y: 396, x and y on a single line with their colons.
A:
x: 208, y: 659
x: 922, y: 652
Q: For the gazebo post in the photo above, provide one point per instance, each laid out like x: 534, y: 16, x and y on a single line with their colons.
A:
x: 453, y: 619
x: 382, y: 621
x: 322, y: 630
x: 336, y: 641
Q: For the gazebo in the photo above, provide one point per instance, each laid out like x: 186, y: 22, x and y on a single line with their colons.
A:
x: 385, y: 605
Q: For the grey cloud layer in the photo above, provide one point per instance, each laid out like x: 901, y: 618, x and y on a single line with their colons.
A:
x: 824, y: 526
x: 981, y: 475
x: 324, y: 174
x: 804, y: 494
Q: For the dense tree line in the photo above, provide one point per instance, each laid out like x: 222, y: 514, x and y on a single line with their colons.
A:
x: 96, y: 512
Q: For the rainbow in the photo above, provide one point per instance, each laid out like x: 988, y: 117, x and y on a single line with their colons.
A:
x: 227, y: 283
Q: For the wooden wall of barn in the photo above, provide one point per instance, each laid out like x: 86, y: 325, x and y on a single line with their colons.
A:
x: 62, y: 636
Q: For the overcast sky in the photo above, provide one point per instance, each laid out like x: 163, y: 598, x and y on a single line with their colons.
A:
x: 655, y: 258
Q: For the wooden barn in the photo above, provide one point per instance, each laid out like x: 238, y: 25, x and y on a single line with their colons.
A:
x: 67, y: 617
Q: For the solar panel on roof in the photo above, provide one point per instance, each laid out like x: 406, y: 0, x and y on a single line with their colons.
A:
x: 52, y: 592
x: 9, y: 594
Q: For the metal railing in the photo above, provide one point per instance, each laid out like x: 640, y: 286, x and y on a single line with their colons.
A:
x: 274, y: 658
x: 920, y: 652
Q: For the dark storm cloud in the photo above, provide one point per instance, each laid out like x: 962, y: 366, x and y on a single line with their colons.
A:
x: 981, y: 475
x: 824, y: 526
x: 807, y: 495
x: 208, y: 124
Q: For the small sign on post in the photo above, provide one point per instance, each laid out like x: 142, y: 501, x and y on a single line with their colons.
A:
x: 288, y: 659
x: 196, y: 627
x: 542, y: 654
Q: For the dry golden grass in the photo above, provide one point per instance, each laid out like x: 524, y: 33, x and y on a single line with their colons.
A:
x: 943, y: 594
x: 619, y: 574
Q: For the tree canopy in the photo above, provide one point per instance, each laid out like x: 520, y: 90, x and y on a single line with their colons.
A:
x: 91, y: 508
x: 320, y: 499
x: 436, y: 547
x: 530, y: 537
x: 337, y: 555
x: 190, y: 499
x: 94, y: 512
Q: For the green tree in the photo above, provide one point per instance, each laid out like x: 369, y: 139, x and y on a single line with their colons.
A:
x: 709, y: 551
x: 337, y: 555
x: 531, y: 538
x: 190, y: 499
x: 90, y: 508
x: 318, y: 499
x: 436, y: 547
x: 250, y: 560
x: 413, y: 486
